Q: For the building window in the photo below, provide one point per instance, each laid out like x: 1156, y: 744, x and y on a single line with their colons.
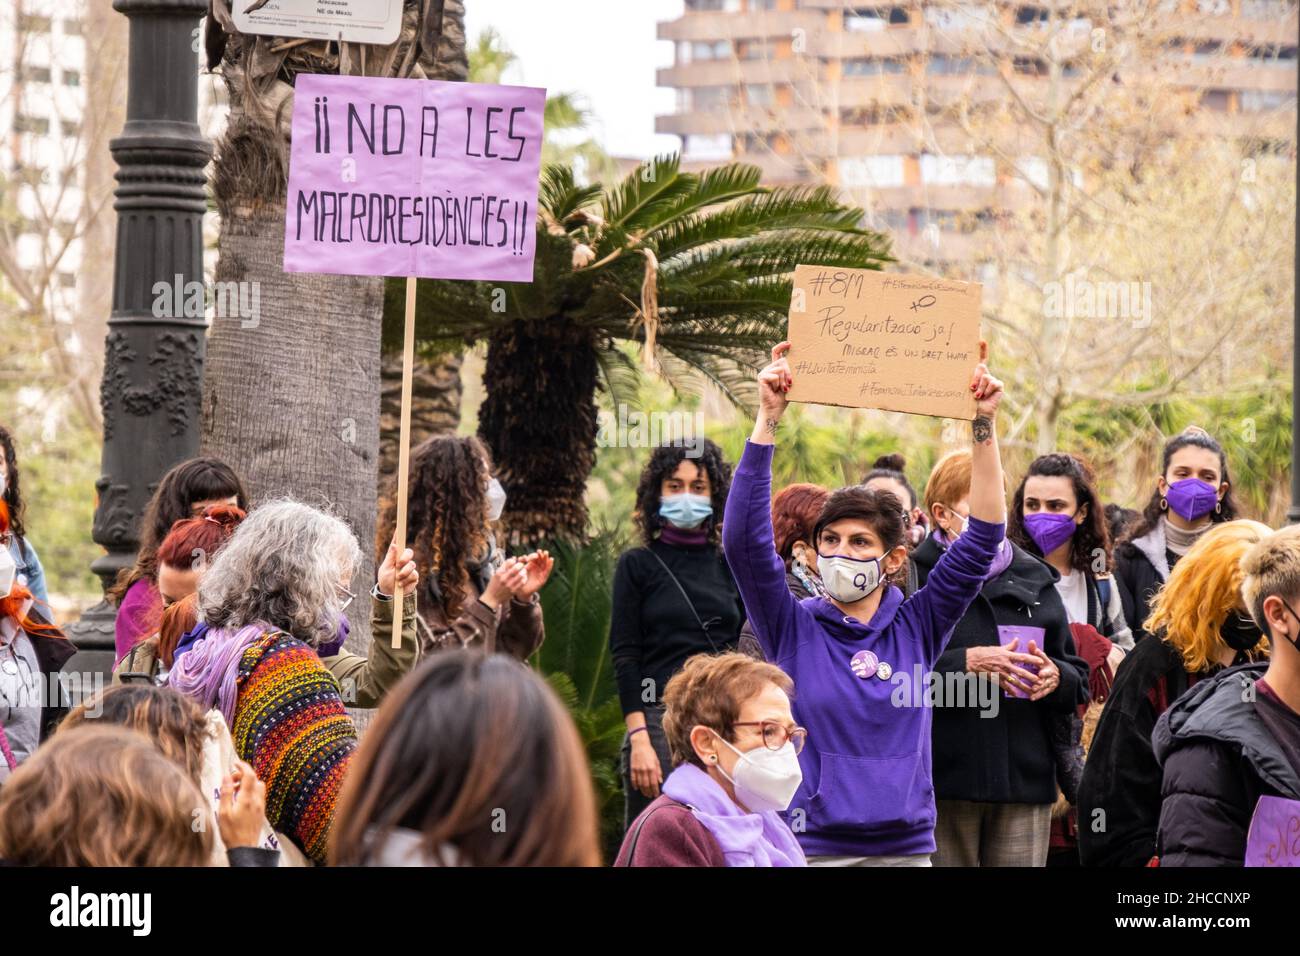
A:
x: 34, y: 74
x: 72, y: 28
x: 871, y: 19
x: 709, y: 97
x: 717, y: 146
x: 1030, y: 65
x: 874, y: 115
x: 757, y: 50
x: 944, y: 65
x: 71, y: 78
x: 757, y: 95
x: 881, y: 172
x: 1272, y: 55
x: 31, y: 124
x: 1213, y: 8
x: 757, y: 5
x: 707, y: 50
x: 70, y: 127
x: 30, y: 23
x: 1264, y: 101
x: 1217, y: 100
x: 873, y: 66
x: 957, y: 170
x: 1035, y: 17
x: 1207, y: 50
x: 68, y: 280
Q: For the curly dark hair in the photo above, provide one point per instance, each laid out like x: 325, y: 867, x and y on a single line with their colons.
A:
x: 191, y: 481
x: 663, y: 462
x: 447, y: 516
x: 1092, y: 536
x: 1191, y: 437
x: 13, y: 496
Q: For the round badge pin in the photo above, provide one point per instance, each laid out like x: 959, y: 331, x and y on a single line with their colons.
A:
x: 10, y: 668
x: 884, y: 671
x: 864, y: 664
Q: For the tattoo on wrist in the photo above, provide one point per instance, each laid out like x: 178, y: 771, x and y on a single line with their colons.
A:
x: 771, y: 425
x: 982, y: 430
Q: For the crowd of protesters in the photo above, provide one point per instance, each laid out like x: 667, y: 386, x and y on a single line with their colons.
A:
x: 980, y: 674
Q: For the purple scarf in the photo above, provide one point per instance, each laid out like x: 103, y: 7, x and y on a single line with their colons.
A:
x: 746, y: 839
x: 207, y: 672
x: 1001, y: 560
x: 684, y: 538
x: 190, y: 638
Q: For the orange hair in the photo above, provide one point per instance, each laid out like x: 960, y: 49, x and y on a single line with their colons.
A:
x: 949, y: 482
x: 1203, y: 587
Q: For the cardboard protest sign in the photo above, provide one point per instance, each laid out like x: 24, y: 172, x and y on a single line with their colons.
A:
x: 395, y: 177
x: 353, y: 21
x: 1274, y: 835
x: 869, y: 339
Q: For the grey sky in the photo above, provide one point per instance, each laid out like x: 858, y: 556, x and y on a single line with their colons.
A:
x: 603, y: 49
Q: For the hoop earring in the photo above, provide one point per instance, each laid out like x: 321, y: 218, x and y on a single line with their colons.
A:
x: 1218, y: 508
x: 1164, y: 503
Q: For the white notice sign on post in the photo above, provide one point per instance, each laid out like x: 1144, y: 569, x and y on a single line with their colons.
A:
x: 355, y: 21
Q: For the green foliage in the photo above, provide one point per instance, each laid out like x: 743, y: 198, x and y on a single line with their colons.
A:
x: 57, y: 482
x: 575, y: 658
x: 723, y: 249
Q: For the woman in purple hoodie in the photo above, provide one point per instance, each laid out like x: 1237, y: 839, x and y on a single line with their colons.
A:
x: 860, y: 655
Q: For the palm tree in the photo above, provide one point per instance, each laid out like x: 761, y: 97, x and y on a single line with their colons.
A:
x: 292, y: 400
x: 695, y: 267
x: 436, y: 387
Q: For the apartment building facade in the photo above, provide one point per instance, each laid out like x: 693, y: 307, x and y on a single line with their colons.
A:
x: 877, y: 98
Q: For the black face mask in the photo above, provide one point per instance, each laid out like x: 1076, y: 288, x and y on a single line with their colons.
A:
x: 1295, y: 642
x: 1239, y: 632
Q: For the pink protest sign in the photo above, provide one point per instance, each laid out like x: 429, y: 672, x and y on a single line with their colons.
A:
x: 395, y: 177
x: 1274, y: 835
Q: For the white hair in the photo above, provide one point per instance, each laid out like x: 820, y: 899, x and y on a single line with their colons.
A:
x: 282, y: 567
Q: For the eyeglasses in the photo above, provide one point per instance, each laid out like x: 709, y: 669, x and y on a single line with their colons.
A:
x: 348, y: 596
x: 776, y: 734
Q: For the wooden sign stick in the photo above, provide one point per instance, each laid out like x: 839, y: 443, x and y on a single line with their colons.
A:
x: 404, y: 451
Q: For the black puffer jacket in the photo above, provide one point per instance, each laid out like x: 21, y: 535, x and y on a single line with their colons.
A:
x: 1218, y: 759
x: 1007, y: 758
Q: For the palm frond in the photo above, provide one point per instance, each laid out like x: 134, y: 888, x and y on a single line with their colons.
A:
x: 645, y: 192
x: 560, y: 195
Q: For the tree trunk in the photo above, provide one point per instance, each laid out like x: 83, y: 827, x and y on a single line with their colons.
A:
x: 291, y: 400
x: 539, y: 421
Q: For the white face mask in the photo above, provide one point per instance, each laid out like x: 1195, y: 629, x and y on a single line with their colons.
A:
x: 8, y: 572
x: 849, y: 579
x: 496, y: 497
x: 765, y: 779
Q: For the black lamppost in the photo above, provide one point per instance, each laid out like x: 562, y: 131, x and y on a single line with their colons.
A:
x: 153, y: 366
x: 1293, y: 513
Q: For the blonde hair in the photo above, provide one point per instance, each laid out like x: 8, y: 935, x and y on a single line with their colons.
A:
x: 1203, y: 587
x: 102, y: 796
x: 1271, y: 568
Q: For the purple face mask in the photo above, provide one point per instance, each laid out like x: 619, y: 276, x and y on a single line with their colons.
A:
x: 1192, y: 498
x: 1049, y: 530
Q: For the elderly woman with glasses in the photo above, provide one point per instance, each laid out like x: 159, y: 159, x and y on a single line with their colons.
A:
x: 273, y: 595
x: 735, y: 749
